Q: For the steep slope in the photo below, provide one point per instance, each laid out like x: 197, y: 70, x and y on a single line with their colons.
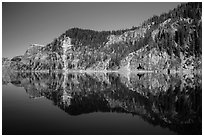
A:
x: 170, y: 42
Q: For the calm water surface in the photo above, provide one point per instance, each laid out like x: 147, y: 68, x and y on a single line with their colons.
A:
x: 97, y: 103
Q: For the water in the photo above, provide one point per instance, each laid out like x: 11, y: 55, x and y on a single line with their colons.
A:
x: 101, y: 103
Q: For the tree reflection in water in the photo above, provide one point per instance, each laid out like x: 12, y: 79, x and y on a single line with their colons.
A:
x: 172, y: 101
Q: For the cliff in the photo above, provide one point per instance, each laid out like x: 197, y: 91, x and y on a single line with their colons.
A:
x: 170, y: 42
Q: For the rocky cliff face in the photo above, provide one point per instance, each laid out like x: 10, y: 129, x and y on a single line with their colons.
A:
x: 171, y: 42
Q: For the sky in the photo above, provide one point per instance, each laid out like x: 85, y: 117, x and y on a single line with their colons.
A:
x: 24, y: 24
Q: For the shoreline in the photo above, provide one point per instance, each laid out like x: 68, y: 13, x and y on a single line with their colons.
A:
x: 112, y: 71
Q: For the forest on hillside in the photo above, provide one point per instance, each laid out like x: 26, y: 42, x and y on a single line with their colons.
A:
x: 95, y: 39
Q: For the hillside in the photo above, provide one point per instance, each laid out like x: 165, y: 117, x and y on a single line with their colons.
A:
x: 170, y: 42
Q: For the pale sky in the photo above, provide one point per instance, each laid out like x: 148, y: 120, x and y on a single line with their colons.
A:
x: 28, y: 23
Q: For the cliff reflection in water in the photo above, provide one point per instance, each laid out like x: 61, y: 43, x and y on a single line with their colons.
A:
x: 172, y: 101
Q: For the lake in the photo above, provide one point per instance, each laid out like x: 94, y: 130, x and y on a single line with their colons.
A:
x: 101, y: 104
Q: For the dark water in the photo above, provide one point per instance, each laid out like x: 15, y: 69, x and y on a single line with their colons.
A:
x: 97, y: 103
